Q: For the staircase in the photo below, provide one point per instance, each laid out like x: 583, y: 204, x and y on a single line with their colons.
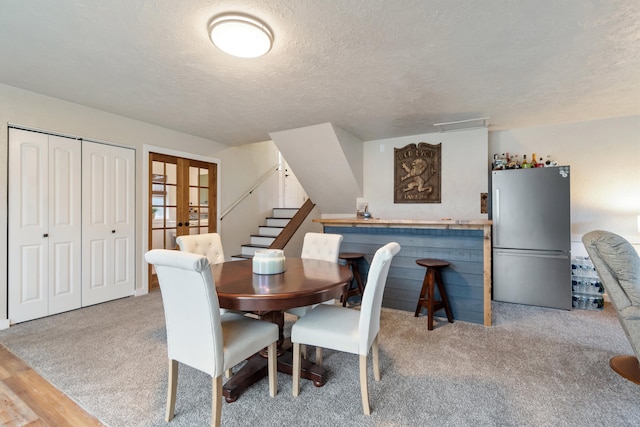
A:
x: 266, y: 233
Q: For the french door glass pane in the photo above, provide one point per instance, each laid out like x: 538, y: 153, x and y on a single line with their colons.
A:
x: 164, y: 202
x: 172, y: 173
x: 198, y: 199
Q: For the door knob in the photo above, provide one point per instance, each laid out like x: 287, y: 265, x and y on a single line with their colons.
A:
x: 179, y: 224
x: 186, y: 223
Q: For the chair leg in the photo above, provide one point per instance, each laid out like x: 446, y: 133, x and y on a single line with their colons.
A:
x: 171, y: 390
x: 376, y: 359
x: 364, y: 390
x: 228, y: 373
x: 296, y: 368
x: 303, y: 351
x: 273, y: 373
x: 319, y: 356
x: 216, y: 401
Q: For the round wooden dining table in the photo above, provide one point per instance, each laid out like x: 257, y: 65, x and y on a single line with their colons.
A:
x: 304, y: 282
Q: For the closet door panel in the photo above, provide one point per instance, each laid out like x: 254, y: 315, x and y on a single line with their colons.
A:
x: 28, y: 294
x: 95, y: 200
x: 28, y: 225
x: 65, y: 223
x: 96, y: 231
x: 123, y: 193
x: 108, y: 223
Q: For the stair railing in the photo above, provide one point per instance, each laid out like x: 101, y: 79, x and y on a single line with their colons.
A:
x: 259, y: 182
x: 292, y: 226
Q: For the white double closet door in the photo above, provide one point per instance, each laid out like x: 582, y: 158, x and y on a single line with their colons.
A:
x: 71, y: 224
x: 44, y: 225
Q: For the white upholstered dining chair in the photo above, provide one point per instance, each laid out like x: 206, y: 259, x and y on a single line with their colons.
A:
x: 198, y: 335
x: 323, y: 247
x: 345, y: 329
x: 207, y: 244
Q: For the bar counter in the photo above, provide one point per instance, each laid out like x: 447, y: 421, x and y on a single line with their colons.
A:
x: 466, y: 244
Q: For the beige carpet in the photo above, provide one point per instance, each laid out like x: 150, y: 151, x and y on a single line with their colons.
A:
x: 534, y: 367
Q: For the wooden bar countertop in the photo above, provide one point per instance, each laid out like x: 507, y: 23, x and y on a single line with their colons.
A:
x: 406, y: 223
x: 444, y: 223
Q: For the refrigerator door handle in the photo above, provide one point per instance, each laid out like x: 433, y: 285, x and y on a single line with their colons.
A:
x: 496, y: 218
x: 562, y: 255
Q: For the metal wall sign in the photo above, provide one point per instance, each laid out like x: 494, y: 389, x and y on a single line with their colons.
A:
x: 417, y: 173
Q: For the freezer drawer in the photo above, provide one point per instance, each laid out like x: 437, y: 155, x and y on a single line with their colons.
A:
x: 538, y: 278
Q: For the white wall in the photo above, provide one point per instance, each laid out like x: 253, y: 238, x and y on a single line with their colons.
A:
x: 604, y: 156
x: 32, y: 110
x: 241, y: 168
x: 327, y: 161
x: 464, y: 176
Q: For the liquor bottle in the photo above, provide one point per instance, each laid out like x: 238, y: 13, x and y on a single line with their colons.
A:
x: 503, y: 161
x: 525, y: 164
x: 497, y: 162
x: 513, y: 162
x: 540, y: 163
x: 534, y: 162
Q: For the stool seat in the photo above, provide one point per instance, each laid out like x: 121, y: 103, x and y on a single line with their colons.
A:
x: 350, y: 255
x: 352, y: 259
x: 429, y: 262
x: 432, y: 278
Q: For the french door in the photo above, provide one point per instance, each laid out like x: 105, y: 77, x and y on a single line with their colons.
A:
x: 182, y: 200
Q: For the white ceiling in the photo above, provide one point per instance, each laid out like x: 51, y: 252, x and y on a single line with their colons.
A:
x: 376, y: 68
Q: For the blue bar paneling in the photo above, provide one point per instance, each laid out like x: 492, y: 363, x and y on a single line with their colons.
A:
x: 464, y: 279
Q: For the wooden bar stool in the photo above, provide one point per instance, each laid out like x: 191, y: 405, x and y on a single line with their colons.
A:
x: 352, y: 259
x: 427, y: 298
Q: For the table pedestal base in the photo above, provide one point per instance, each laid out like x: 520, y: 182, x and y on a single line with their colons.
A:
x: 256, y: 368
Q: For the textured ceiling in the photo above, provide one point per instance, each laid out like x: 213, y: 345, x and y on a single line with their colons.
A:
x: 376, y: 68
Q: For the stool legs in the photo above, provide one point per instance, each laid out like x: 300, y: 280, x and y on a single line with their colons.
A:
x: 427, y: 300
x: 356, y: 274
x: 443, y: 295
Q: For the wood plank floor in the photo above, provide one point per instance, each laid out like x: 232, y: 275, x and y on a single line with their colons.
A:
x: 27, y: 399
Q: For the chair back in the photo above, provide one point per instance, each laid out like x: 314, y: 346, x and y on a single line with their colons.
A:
x: 321, y: 246
x: 191, y: 309
x: 207, y: 244
x: 617, y: 264
x: 372, y: 298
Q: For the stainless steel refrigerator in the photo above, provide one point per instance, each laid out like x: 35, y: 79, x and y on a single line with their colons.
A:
x: 530, y: 210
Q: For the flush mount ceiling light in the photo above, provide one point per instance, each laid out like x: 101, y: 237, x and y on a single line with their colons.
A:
x: 240, y: 35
